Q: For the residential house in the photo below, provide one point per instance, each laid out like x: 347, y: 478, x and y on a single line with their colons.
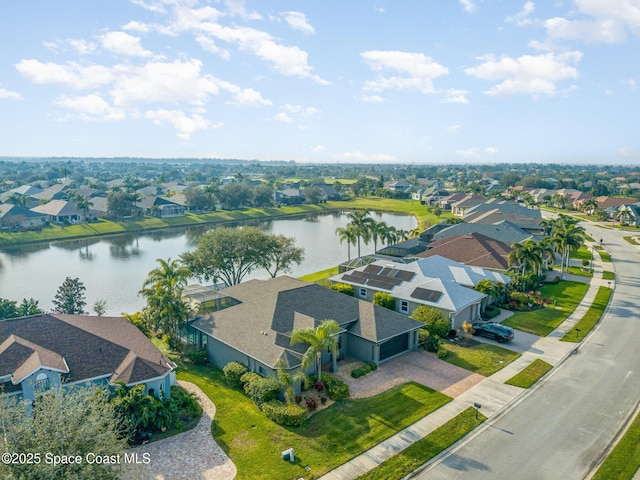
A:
x: 289, y: 196
x: 445, y: 203
x: 504, y: 231
x: 460, y: 207
x: 161, y: 207
x: 48, y: 351
x: 256, y: 329
x: 16, y: 216
x: 26, y: 191
x: 435, y: 282
x: 473, y: 249
x: 60, y: 211
x: 498, y: 211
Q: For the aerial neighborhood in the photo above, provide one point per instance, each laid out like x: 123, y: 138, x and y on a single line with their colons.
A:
x: 492, y: 275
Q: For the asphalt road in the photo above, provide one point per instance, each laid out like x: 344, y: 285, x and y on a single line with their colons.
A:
x: 564, y: 426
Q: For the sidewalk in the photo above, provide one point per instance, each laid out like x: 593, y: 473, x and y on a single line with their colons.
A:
x: 491, y: 393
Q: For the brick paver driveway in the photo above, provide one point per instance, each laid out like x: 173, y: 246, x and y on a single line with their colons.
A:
x: 420, y: 367
x: 191, y: 455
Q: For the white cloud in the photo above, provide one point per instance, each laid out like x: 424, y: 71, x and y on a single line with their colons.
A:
x: 209, y: 45
x: 81, y: 46
x: 71, y: 74
x: 151, y: 5
x: 476, y: 152
x: 627, y: 152
x: 417, y: 71
x: 135, y: 26
x: 237, y: 8
x: 123, y: 44
x: 630, y: 82
x: 603, y: 21
x: 372, y: 98
x: 90, y: 107
x: 453, y: 128
x: 528, y: 74
x: 298, y: 21
x: 185, y: 125
x: 319, y: 149
x: 468, y: 6
x: 360, y: 157
x: 8, y: 95
x: 283, y: 117
x: 522, y: 17
x: 247, y: 97
x: 456, y: 96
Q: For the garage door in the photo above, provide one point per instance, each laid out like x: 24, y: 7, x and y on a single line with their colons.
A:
x: 394, y: 346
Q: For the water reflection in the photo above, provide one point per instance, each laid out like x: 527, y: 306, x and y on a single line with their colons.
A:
x: 124, y: 247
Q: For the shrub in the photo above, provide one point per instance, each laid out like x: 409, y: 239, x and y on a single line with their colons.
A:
x: 323, y: 400
x: 342, y: 288
x: 260, y: 389
x: 442, y: 353
x: 423, y: 335
x: 490, y: 312
x: 373, y: 366
x: 311, y: 403
x: 195, y: 355
x: 282, y: 414
x: 233, y: 372
x: 361, y: 370
x: 336, y: 388
x: 432, y: 344
x: 319, y: 386
x: 435, y: 320
x: 185, y: 402
x: 385, y: 300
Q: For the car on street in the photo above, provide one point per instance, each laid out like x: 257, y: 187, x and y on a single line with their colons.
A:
x: 497, y: 331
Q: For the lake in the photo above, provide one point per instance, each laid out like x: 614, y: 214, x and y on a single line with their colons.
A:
x: 114, y: 268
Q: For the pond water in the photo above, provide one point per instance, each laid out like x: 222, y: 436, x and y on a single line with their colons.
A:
x: 114, y: 268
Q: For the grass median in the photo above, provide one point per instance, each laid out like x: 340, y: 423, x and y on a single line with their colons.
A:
x: 593, y: 315
x: 328, y: 439
x: 624, y: 460
x: 530, y: 375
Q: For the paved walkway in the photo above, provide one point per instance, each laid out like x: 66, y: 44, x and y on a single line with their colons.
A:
x: 194, y: 454
x: 494, y: 396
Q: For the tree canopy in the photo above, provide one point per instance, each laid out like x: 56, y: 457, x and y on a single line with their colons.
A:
x: 70, y: 297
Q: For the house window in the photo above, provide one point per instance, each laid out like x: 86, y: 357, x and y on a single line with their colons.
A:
x: 404, y: 306
x: 363, y: 292
x: 42, y: 383
x: 261, y: 370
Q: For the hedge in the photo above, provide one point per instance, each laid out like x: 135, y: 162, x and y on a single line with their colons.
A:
x: 282, y: 414
x: 233, y: 371
x: 364, y: 369
x: 260, y: 389
x: 342, y: 288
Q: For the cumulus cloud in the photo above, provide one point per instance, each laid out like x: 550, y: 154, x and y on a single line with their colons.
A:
x: 123, y: 44
x: 468, y: 6
x: 476, y: 152
x: 298, y: 21
x: 602, y: 21
x: 81, y: 46
x: 209, y: 45
x: 185, y: 125
x: 629, y: 153
x: 528, y: 74
x: 90, y: 107
x: 416, y: 71
x: 522, y: 17
x: 319, y: 149
x: 372, y: 98
x: 283, y: 117
x: 456, y: 96
x: 453, y: 128
x: 360, y: 157
x: 71, y: 74
x: 9, y: 95
x: 135, y: 26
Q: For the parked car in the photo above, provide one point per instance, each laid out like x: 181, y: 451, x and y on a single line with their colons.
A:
x: 497, y: 331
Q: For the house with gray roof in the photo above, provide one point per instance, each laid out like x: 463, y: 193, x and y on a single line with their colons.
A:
x: 59, y: 211
x: 504, y: 231
x: 16, y: 216
x: 53, y: 350
x: 436, y: 282
x: 160, y: 206
x: 256, y: 329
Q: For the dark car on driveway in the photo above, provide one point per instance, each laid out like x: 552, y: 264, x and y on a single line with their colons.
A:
x: 497, y: 331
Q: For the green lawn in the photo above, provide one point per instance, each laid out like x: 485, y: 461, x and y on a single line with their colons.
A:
x: 482, y: 358
x: 321, y: 275
x: 543, y: 321
x: 631, y: 240
x: 604, y: 256
x: 425, y: 449
x: 530, y: 375
x: 624, y: 460
x: 580, y: 271
x: 593, y: 315
x: 328, y: 439
x: 583, y: 253
x: 607, y: 275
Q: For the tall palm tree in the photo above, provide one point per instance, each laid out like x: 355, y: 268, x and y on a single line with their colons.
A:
x: 349, y: 235
x: 361, y: 222
x: 287, y: 380
x: 390, y: 235
x: 378, y: 231
x: 590, y: 206
x: 568, y: 237
x: 526, y: 255
x: 321, y: 338
x: 548, y: 251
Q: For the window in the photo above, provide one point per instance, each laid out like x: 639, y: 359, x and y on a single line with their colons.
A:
x: 404, y: 306
x: 261, y: 370
x: 42, y: 383
x: 363, y: 292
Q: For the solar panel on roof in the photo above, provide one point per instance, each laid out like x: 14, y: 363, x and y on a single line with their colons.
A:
x: 380, y: 283
x: 372, y: 269
x: 426, y: 294
x: 353, y: 278
x: 404, y: 275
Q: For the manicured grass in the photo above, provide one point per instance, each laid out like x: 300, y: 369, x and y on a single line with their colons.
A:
x: 543, y: 321
x: 580, y: 271
x: 604, y: 256
x: 328, y: 439
x: 624, y: 460
x: 583, y: 253
x: 607, y: 275
x: 631, y: 240
x: 530, y: 375
x: 425, y: 449
x: 590, y: 318
x: 321, y: 275
x: 482, y: 358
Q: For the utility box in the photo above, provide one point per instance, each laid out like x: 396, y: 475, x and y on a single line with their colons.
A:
x: 288, y: 455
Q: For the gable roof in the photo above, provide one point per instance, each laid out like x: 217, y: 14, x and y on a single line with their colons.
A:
x: 10, y: 210
x: 269, y: 312
x: 472, y: 249
x: 83, y: 347
x: 504, y: 231
x: 57, y: 208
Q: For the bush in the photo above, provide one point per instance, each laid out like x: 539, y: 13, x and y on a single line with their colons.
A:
x: 432, y: 344
x: 282, y: 414
x: 319, y: 386
x: 442, y: 353
x: 311, y: 403
x: 373, y: 366
x: 194, y: 355
x: 490, y: 312
x: 233, y: 372
x: 336, y: 388
x: 342, y: 288
x: 423, y: 335
x: 361, y: 370
x: 185, y: 402
x: 385, y: 300
x: 260, y: 389
x: 436, y: 321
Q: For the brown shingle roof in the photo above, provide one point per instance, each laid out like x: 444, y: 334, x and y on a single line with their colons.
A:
x: 472, y: 249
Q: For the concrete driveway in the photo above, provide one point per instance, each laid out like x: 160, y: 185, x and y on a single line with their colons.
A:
x: 522, y: 341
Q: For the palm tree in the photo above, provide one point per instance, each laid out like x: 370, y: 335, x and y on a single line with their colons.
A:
x: 321, y: 338
x: 361, y: 222
x: 288, y: 381
x: 378, y: 231
x: 590, y: 206
x: 548, y: 252
x: 390, y: 235
x: 567, y: 236
x: 526, y: 255
x: 349, y: 235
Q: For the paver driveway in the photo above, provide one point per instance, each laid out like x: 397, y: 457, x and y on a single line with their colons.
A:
x: 420, y: 367
x: 193, y: 455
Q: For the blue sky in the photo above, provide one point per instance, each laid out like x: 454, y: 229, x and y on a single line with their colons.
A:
x: 406, y: 81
